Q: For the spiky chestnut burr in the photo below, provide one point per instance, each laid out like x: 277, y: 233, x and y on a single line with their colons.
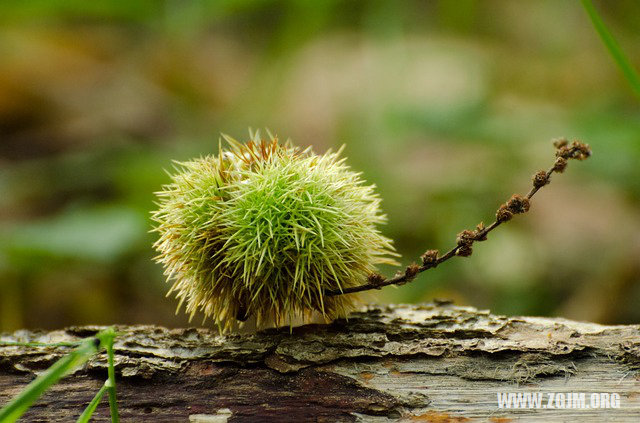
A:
x: 264, y: 229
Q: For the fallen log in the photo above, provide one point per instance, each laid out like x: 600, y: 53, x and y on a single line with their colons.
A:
x: 433, y: 362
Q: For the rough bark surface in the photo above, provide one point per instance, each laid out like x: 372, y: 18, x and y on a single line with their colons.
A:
x: 433, y: 362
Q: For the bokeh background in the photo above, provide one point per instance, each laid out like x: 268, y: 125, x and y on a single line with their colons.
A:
x: 447, y: 106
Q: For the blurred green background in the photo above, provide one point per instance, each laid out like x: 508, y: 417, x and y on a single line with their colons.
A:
x: 448, y: 106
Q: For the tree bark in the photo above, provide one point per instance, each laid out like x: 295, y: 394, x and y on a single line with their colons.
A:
x: 432, y: 362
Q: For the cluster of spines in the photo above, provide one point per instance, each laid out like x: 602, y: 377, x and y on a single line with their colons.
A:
x: 265, y: 229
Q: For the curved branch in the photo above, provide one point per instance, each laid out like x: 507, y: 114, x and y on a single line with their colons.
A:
x: 516, y: 205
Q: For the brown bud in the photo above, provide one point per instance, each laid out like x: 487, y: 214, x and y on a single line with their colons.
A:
x: 411, y: 271
x: 430, y: 258
x: 564, y: 152
x: 466, y: 237
x: 503, y: 214
x: 576, y: 150
x: 560, y: 142
x: 540, y: 179
x: 518, y: 204
x: 376, y: 279
x: 464, y: 251
x: 581, y: 151
x: 560, y: 165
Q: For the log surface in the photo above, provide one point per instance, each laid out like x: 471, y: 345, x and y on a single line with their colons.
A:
x: 432, y: 362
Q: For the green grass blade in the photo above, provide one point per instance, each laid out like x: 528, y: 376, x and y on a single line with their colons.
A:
x: 106, y: 338
x: 91, y: 408
x: 613, y: 47
x: 12, y: 411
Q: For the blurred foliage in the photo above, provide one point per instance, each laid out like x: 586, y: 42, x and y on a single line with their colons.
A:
x: 448, y: 106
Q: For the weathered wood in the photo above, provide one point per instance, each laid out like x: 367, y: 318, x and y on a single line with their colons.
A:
x: 434, y: 362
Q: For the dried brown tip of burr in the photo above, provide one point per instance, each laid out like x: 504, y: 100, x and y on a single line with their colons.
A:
x: 242, y: 313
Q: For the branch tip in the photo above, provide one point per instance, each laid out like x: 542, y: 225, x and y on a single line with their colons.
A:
x: 560, y: 142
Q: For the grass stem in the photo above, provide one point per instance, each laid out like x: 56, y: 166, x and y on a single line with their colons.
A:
x: 91, y: 408
x: 107, y: 341
x: 613, y: 47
